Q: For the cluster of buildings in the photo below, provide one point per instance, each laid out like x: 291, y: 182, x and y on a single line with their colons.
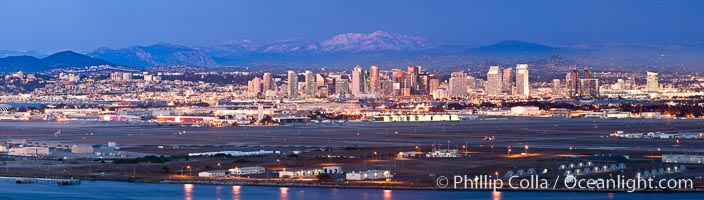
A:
x: 237, y: 171
x: 499, y: 84
x: 26, y: 148
x: 301, y: 173
x: 658, y: 135
x: 176, y: 97
x: 376, y: 83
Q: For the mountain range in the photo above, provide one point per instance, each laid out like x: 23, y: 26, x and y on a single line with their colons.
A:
x: 379, y: 48
x: 58, y: 60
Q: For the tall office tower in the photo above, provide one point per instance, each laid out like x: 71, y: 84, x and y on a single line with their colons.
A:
x: 319, y: 80
x: 572, y: 83
x: 589, y: 87
x: 357, y: 80
x: 367, y: 82
x: 126, y: 76
x: 254, y: 87
x: 387, y: 87
x: 413, y: 69
x: 471, y: 83
x: 423, y: 85
x: 331, y: 85
x: 493, y: 81
x: 508, y: 81
x: 342, y: 86
x: 398, y: 78
x: 268, y: 82
x: 629, y: 84
x: 652, y: 84
x: 556, y: 87
x: 310, y: 84
x: 116, y: 76
x: 522, y: 83
x: 458, y: 84
x: 587, y: 74
x: 292, y: 84
x: 374, y: 82
x: 433, y: 83
x: 412, y: 80
x: 589, y: 91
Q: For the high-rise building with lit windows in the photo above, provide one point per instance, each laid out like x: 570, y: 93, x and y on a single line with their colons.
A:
x: 652, y: 84
x: 522, y: 83
x: 493, y: 81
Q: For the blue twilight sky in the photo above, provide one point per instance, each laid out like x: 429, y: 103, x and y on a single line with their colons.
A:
x: 83, y: 25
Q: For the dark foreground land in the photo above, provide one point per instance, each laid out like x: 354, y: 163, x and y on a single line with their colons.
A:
x: 361, y: 146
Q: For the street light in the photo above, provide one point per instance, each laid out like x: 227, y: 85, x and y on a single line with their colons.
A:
x: 220, y: 166
x: 189, y: 170
x: 526, y: 149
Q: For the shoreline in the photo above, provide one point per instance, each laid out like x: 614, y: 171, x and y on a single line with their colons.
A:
x: 381, y: 187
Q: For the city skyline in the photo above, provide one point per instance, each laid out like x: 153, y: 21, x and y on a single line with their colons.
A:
x: 334, y: 99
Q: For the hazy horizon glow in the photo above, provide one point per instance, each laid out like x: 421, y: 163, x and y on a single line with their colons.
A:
x: 84, y: 25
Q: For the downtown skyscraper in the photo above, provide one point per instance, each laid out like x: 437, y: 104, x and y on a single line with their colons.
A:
x: 493, y: 81
x: 357, y: 81
x: 310, y: 84
x: 522, y: 83
x: 292, y: 84
x: 458, y: 84
x: 652, y: 84
x: 507, y: 84
x: 374, y: 81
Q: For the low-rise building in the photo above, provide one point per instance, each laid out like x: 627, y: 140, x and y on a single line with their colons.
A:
x: 443, y: 153
x: 82, y: 148
x: 680, y: 158
x: 525, y: 110
x: 368, y: 175
x: 29, y: 151
x: 332, y: 170
x: 406, y: 154
x: 212, y: 174
x: 300, y: 173
x: 247, y: 170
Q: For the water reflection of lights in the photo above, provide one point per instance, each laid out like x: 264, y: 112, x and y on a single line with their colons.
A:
x: 218, y: 192
x: 283, y: 193
x: 187, y: 191
x: 387, y: 194
x: 611, y: 195
x: 235, y: 192
x: 496, y: 195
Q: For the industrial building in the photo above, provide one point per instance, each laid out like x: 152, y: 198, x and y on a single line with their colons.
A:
x: 29, y: 151
x: 82, y: 148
